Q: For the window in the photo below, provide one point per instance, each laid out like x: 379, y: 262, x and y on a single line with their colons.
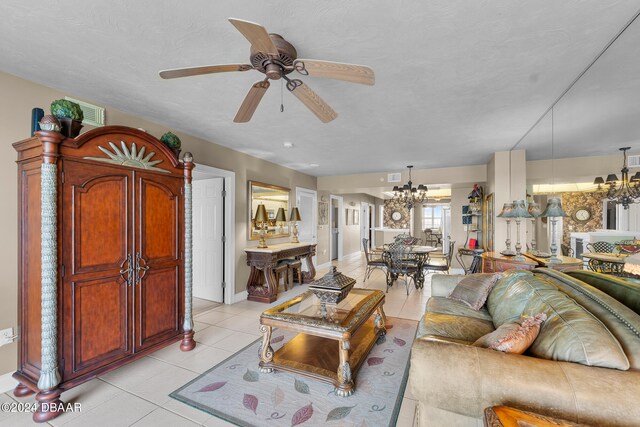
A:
x: 431, y: 216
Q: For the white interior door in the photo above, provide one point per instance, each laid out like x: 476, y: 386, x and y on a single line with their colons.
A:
x: 307, y: 202
x: 208, y: 232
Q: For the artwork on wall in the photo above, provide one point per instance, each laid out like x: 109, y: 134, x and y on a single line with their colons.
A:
x: 395, y: 215
x: 323, y: 213
x: 356, y: 217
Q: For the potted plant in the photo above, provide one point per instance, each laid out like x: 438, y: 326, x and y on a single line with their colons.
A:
x: 172, y: 141
x: 69, y: 115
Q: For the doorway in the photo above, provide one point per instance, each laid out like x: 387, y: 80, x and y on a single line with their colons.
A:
x: 213, y: 213
x: 307, y: 203
x: 337, y: 221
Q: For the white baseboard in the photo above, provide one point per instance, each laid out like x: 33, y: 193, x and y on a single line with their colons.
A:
x: 240, y: 296
x: 321, y: 266
x: 7, y: 382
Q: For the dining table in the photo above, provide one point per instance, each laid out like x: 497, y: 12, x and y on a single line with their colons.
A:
x: 605, y: 262
x: 416, y: 253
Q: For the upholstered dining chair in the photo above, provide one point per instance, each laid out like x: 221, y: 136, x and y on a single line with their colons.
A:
x: 440, y: 262
x: 374, y: 260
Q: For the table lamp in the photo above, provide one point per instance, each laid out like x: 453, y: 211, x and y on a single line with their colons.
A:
x: 553, y: 211
x: 294, y: 218
x: 534, y: 211
x: 261, y: 218
x: 281, y: 217
x: 519, y: 211
x: 506, y: 213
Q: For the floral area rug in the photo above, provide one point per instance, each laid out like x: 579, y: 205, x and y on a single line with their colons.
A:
x: 236, y: 391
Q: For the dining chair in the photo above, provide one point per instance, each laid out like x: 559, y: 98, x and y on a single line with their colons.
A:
x: 430, y: 239
x: 374, y: 260
x: 599, y: 266
x: 440, y: 262
x: 566, y: 250
x: 400, y: 263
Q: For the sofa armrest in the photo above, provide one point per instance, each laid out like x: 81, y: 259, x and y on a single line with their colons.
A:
x: 465, y: 379
x: 443, y: 284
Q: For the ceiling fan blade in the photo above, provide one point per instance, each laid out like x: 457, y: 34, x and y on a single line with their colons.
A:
x: 257, y: 36
x: 251, y: 101
x: 311, y: 99
x: 205, y: 69
x: 335, y: 70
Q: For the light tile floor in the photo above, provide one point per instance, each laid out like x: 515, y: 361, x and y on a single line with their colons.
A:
x: 137, y: 394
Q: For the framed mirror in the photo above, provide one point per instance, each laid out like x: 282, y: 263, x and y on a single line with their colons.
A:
x: 273, y: 198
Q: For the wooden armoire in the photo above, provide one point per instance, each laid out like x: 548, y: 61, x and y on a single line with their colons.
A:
x: 104, y: 256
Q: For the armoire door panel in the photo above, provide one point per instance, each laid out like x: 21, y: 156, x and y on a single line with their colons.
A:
x: 99, y: 217
x: 158, y: 218
x: 100, y: 322
x: 157, y: 305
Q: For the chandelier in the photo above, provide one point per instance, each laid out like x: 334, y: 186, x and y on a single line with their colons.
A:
x: 624, y: 191
x: 408, y: 195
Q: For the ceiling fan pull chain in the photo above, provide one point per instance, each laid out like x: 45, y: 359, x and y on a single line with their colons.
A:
x: 281, y: 97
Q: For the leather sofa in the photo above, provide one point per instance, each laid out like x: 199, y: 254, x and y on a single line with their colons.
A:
x: 454, y: 381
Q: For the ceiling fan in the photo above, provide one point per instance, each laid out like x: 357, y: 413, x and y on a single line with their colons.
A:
x: 275, y: 57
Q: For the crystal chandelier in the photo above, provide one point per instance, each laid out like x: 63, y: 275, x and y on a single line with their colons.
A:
x: 408, y: 195
x: 624, y: 191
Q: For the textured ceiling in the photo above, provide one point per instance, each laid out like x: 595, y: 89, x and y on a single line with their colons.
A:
x: 455, y: 80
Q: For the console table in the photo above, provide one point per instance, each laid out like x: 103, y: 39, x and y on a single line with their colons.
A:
x: 262, y: 285
x: 493, y: 262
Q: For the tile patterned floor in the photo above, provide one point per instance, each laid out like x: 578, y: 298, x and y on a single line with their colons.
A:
x: 137, y: 394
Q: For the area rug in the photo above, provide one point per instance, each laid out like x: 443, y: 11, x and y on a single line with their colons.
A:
x: 236, y: 391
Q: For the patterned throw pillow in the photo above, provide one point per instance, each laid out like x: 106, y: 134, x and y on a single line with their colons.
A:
x: 474, y: 289
x: 513, y: 338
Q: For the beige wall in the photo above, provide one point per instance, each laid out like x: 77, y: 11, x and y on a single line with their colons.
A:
x: 20, y: 96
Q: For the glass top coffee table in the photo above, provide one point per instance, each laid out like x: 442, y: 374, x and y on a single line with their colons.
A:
x: 333, y: 339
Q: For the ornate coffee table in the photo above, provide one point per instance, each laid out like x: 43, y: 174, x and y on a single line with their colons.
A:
x: 355, y: 323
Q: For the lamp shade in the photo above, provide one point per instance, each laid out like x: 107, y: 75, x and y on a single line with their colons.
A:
x: 506, y: 211
x: 520, y: 210
x: 612, y: 177
x: 553, y: 209
x: 281, y: 215
x: 261, y: 214
x: 635, y: 177
x: 534, y: 209
x: 598, y: 181
x: 295, y: 215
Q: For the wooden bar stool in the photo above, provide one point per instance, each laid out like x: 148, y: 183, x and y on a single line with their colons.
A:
x: 281, y: 271
x: 295, y: 268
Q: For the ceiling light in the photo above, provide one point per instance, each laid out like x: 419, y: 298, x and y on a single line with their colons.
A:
x: 313, y: 165
x: 287, y: 144
x: 624, y: 191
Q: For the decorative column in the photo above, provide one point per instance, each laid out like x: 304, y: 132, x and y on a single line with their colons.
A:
x: 188, y: 343
x: 49, y: 375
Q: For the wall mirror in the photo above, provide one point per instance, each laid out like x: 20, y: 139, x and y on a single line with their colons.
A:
x: 273, y: 198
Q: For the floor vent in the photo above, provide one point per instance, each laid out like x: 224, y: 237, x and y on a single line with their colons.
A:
x: 394, y: 177
x: 93, y: 115
x: 633, y: 161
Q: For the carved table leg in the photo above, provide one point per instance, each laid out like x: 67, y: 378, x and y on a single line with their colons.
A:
x: 266, y: 352
x: 262, y: 285
x: 345, y: 388
x: 307, y: 276
x: 22, y: 390
x: 49, y: 405
x: 380, y: 321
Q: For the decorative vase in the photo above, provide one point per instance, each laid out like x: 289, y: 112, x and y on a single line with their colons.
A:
x: 69, y: 127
